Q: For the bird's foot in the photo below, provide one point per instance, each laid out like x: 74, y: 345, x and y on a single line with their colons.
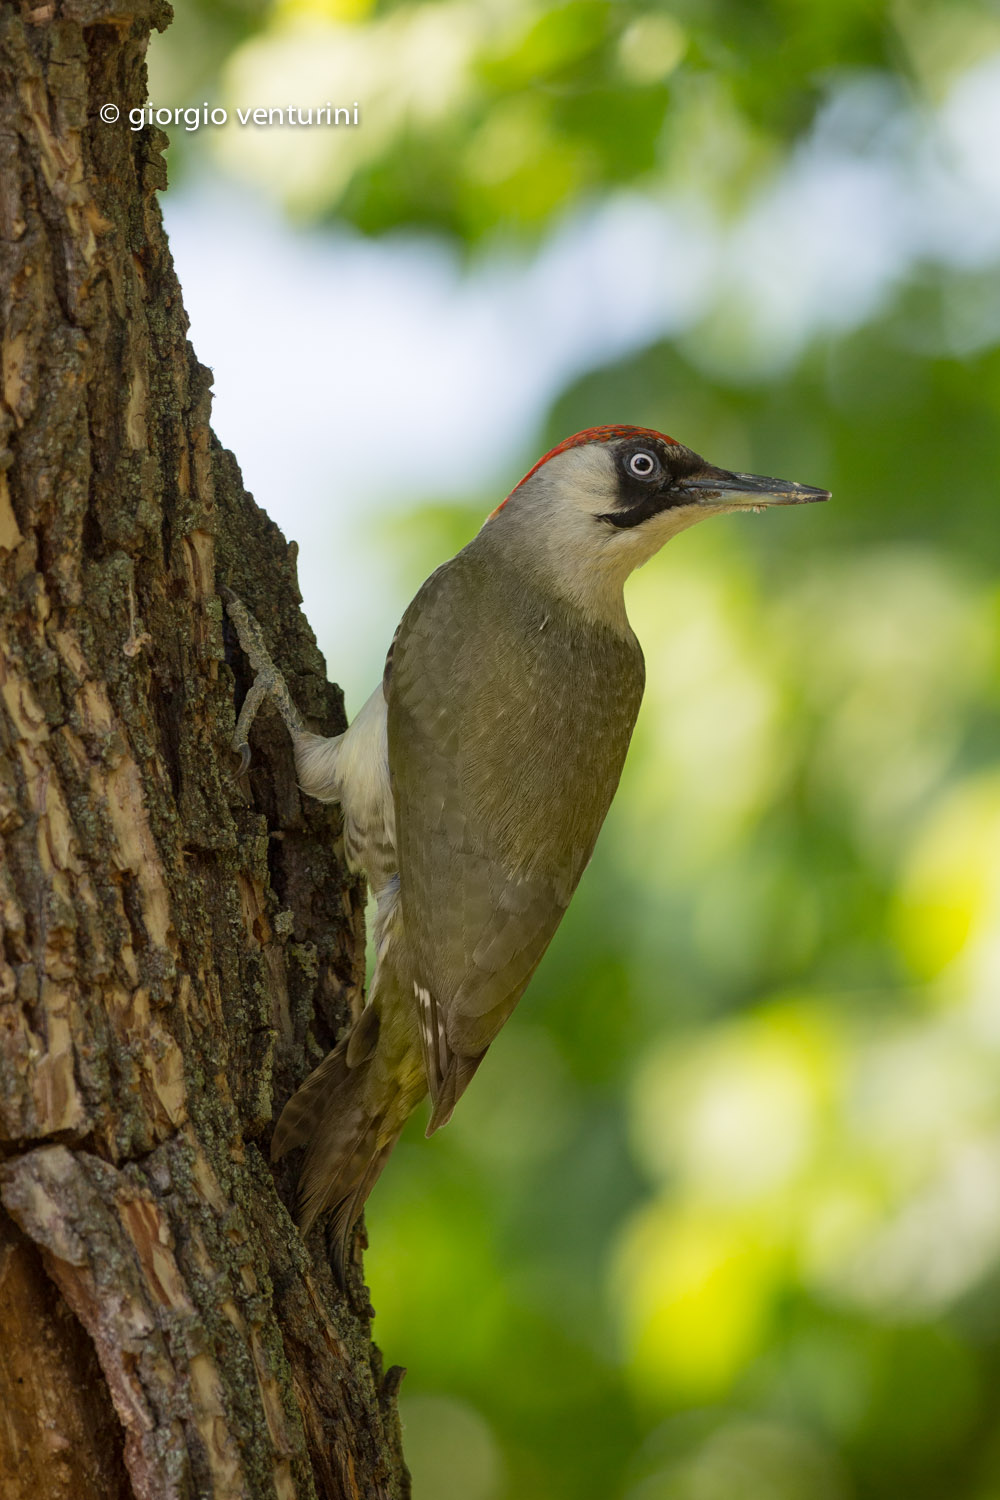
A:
x: 267, y: 681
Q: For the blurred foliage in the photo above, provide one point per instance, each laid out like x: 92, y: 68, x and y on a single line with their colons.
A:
x: 720, y: 1216
x: 486, y: 118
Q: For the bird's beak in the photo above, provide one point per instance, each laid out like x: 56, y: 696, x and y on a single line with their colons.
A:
x: 720, y: 487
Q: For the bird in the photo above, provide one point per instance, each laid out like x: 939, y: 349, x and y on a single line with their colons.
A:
x: 475, y: 780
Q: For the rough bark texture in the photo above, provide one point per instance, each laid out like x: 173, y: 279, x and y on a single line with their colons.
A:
x: 176, y: 949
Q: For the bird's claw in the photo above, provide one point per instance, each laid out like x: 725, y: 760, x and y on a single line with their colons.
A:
x: 267, y: 682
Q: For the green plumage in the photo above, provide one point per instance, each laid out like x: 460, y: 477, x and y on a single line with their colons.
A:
x: 508, y: 725
x: 475, y: 785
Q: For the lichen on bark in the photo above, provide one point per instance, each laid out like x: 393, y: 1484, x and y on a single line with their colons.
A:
x: 176, y: 948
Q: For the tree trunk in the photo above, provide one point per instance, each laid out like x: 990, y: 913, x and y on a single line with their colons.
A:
x: 177, y: 948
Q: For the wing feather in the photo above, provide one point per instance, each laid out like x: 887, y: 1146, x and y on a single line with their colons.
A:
x: 504, y: 752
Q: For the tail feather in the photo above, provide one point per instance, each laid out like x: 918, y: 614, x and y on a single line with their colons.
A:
x: 344, y: 1157
x: 349, y: 1112
x: 336, y: 1116
x: 300, y: 1118
x: 348, y: 1211
x: 346, y: 1145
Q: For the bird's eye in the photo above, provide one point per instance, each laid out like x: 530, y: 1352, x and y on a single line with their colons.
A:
x: 642, y: 465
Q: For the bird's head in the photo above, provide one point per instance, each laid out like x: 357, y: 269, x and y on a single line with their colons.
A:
x: 605, y: 500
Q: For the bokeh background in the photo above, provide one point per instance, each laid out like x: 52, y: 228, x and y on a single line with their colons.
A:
x: 720, y: 1217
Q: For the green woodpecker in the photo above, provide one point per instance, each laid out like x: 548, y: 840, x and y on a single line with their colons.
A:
x: 475, y: 780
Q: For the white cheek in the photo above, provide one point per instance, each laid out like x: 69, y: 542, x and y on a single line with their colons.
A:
x: 643, y: 541
x: 582, y: 558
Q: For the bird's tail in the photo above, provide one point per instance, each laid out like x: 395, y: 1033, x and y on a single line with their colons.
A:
x: 348, y: 1115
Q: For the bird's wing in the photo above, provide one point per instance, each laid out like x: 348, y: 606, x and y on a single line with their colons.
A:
x: 504, y: 758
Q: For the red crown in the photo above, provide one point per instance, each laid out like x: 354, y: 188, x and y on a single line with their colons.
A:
x: 578, y: 440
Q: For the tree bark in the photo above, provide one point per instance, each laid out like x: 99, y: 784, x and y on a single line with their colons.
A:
x: 177, y: 949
